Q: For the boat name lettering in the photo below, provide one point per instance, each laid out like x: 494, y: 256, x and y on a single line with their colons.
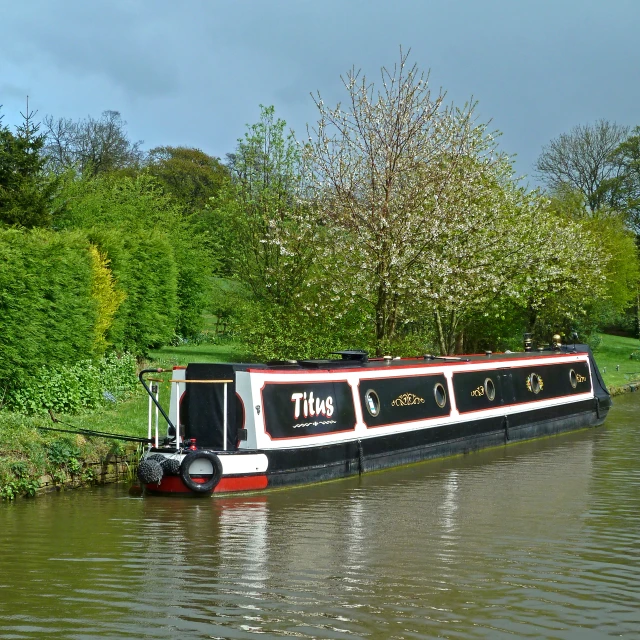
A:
x: 477, y: 393
x: 407, y: 399
x: 580, y: 378
x: 311, y: 406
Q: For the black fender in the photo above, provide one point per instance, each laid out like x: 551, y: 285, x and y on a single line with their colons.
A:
x: 201, y: 487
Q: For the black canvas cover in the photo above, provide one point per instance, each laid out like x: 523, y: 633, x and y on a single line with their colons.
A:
x: 201, y: 410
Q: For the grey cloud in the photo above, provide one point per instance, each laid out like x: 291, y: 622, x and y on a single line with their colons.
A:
x: 196, y: 71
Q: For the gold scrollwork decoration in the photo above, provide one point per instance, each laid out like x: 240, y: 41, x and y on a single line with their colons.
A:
x: 407, y: 399
x: 477, y: 393
x: 534, y: 383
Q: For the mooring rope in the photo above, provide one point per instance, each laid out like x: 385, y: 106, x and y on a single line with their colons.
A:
x: 90, y: 432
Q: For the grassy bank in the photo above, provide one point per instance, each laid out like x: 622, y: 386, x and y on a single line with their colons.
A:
x: 612, y: 356
x: 31, y: 455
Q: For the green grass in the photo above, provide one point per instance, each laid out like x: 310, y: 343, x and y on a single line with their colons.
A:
x: 614, y: 352
x: 182, y: 355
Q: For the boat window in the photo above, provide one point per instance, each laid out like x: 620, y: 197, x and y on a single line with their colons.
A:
x: 534, y: 383
x: 573, y: 378
x: 372, y: 402
x: 440, y: 395
x: 490, y: 389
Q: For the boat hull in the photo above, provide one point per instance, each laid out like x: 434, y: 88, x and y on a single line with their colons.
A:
x: 313, y: 464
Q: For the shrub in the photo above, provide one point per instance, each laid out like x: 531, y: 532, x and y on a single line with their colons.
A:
x: 144, y: 269
x: 48, y: 315
x: 160, y: 261
x: 107, y: 298
x: 71, y: 388
x: 274, y: 332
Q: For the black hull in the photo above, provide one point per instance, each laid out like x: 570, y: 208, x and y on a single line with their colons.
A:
x: 317, y: 464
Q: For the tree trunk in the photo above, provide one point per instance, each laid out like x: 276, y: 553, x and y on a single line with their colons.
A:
x: 460, y: 342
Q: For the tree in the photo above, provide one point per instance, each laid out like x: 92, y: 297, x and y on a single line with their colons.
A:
x: 616, y: 255
x: 25, y: 188
x: 583, y: 160
x: 157, y: 261
x: 416, y: 197
x: 90, y: 146
x: 270, y: 236
x: 624, y: 189
x: 190, y: 175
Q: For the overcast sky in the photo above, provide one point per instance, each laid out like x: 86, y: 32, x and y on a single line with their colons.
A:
x: 195, y: 72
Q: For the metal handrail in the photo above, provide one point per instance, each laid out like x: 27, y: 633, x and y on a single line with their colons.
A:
x: 154, y: 398
x: 224, y: 410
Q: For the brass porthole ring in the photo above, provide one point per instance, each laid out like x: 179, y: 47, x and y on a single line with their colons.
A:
x: 490, y: 389
x: 534, y: 383
x: 372, y: 402
x: 440, y: 394
x: 573, y: 378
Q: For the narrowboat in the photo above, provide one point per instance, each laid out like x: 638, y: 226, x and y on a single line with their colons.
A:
x: 250, y: 427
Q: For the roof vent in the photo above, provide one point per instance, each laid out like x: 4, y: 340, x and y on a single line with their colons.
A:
x: 356, y: 355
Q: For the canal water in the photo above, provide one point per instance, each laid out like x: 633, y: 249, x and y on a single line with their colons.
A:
x: 534, y: 540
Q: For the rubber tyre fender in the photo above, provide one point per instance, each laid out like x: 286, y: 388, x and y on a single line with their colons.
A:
x: 201, y: 487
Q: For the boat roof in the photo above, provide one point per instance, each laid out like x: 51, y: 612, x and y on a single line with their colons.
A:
x: 359, y: 360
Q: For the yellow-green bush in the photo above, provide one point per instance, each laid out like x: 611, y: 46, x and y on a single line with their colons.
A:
x: 107, y: 298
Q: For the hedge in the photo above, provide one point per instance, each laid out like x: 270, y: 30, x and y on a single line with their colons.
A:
x: 48, y: 315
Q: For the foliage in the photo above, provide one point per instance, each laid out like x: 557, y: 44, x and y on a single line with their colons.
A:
x: 25, y: 189
x: 228, y: 298
x: 624, y: 189
x: 618, y: 256
x: 582, y: 160
x: 272, y: 332
x: 115, y: 201
x: 29, y: 454
x: 615, y: 255
x: 272, y: 242
x: 63, y: 454
x: 144, y: 267
x: 91, y: 146
x: 47, y: 313
x: 71, y: 388
x: 190, y: 175
x: 16, y: 478
x: 159, y: 264
x: 194, y: 265
x: 108, y: 299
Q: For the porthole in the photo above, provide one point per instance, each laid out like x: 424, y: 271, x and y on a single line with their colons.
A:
x: 372, y: 402
x: 534, y: 383
x: 573, y: 378
x: 490, y: 389
x: 440, y: 395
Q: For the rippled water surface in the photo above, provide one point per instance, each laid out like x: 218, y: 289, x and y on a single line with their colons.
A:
x: 536, y: 540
